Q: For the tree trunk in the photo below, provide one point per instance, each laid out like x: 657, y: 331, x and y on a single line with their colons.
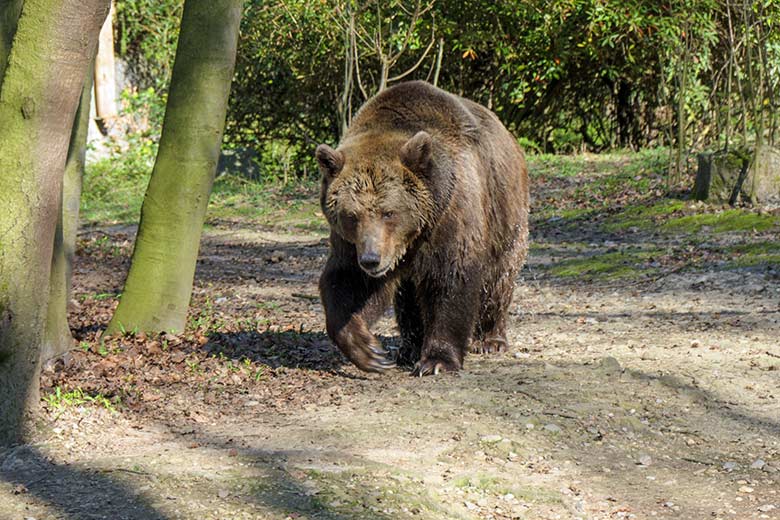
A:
x: 158, y: 288
x: 105, y: 75
x: 58, y: 336
x: 9, y: 17
x: 74, y: 174
x: 52, y: 49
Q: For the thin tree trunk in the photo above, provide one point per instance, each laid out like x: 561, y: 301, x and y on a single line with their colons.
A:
x: 52, y: 49
x: 105, y: 75
x: 159, y: 285
x: 345, y: 106
x: 74, y: 175
x: 58, y: 336
x: 438, y: 63
x: 729, y: 79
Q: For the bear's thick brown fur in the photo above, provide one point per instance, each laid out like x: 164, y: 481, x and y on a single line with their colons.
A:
x: 427, y: 201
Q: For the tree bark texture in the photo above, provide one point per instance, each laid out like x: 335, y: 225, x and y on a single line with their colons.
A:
x: 158, y: 288
x: 9, y: 17
x: 51, y: 52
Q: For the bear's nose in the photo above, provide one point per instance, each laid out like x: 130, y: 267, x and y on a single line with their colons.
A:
x: 369, y: 261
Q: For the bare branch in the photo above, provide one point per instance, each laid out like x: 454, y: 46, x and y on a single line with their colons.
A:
x: 419, y: 62
x: 392, y: 58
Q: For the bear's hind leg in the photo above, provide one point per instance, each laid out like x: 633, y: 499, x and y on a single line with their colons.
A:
x: 410, y: 325
x: 490, y: 333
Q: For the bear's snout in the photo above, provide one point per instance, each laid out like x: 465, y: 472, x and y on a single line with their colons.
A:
x: 369, y: 261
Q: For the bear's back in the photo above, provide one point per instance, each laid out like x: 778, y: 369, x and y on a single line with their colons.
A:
x: 413, y: 106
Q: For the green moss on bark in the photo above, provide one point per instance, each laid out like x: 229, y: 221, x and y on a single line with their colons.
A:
x: 158, y: 287
x: 38, y: 99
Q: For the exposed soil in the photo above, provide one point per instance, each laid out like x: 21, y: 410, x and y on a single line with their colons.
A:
x: 653, y: 396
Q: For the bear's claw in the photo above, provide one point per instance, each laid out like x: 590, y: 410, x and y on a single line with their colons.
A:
x: 373, y: 358
x: 426, y: 367
x: 489, y: 345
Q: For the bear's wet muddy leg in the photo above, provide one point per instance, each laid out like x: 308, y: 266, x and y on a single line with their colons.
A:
x: 490, y: 334
x: 410, y: 325
x: 350, y: 308
x: 449, y: 317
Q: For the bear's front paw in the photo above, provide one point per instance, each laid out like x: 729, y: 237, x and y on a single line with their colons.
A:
x: 488, y: 345
x: 361, y: 347
x: 370, y: 358
x: 434, y: 365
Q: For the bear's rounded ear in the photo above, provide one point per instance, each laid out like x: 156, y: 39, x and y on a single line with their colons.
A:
x: 331, y: 161
x: 416, y: 153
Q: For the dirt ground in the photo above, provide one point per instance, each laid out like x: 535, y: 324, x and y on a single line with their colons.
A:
x: 656, y: 396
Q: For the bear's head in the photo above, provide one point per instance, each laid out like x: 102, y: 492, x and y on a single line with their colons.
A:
x: 376, y: 194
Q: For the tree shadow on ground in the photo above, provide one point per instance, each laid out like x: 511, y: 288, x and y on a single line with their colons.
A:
x: 279, y: 483
x: 229, y: 261
x: 290, y: 349
x: 600, y: 377
x: 85, y: 493
x: 75, y: 493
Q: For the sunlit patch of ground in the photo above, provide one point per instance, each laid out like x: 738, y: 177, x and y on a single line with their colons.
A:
x: 641, y: 379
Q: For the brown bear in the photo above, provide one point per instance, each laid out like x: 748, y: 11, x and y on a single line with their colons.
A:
x: 427, y: 201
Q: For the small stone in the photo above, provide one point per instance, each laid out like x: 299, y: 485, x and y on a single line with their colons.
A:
x: 767, y: 508
x: 277, y: 256
x: 552, y: 428
x: 610, y: 365
x: 645, y: 460
x: 729, y: 466
x: 223, y: 493
x: 482, y: 502
x: 470, y: 505
x: 745, y: 489
x: 758, y: 464
x: 490, y: 439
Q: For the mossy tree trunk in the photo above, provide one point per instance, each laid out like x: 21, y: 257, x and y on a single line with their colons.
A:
x: 58, y: 336
x: 39, y: 95
x: 9, y: 17
x: 158, y: 288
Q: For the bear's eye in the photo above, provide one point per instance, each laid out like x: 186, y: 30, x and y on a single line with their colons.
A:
x: 388, y: 215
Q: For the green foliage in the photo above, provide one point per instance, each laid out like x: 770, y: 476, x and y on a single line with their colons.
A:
x: 114, y: 185
x: 59, y: 400
x: 146, y: 36
x: 566, y: 75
